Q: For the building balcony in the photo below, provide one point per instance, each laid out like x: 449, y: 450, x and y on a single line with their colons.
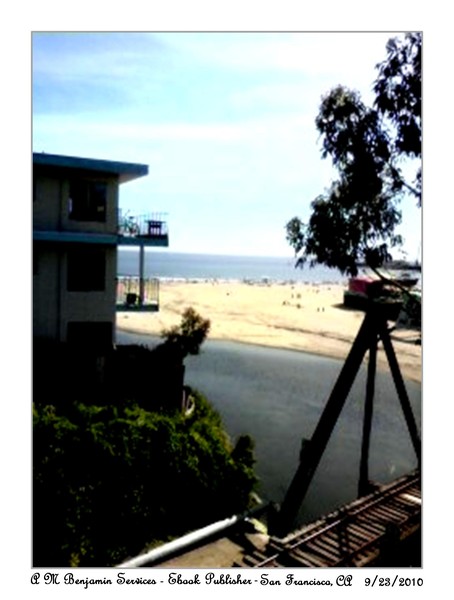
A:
x: 138, y: 295
x: 143, y: 230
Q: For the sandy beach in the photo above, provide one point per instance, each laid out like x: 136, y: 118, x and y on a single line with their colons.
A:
x: 305, y: 317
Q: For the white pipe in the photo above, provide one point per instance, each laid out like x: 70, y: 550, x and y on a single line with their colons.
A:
x: 182, y: 542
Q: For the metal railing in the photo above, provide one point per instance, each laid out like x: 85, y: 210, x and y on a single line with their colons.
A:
x: 134, y: 293
x: 152, y: 225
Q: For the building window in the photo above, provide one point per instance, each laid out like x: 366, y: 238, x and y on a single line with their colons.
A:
x: 87, y: 200
x: 86, y: 270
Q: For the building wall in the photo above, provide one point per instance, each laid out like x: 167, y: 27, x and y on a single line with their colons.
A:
x: 54, y: 305
x: 90, y: 306
x: 46, y: 285
x: 51, y: 203
x: 46, y: 202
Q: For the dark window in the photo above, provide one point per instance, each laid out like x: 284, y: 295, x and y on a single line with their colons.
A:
x: 86, y: 270
x: 35, y: 260
x: 87, y: 200
x: 93, y: 335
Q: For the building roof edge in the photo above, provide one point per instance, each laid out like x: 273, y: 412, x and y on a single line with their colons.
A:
x: 125, y: 170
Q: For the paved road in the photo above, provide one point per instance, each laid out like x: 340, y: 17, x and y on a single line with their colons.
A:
x: 277, y: 397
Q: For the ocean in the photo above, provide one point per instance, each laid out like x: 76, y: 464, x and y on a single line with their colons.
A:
x: 181, y: 266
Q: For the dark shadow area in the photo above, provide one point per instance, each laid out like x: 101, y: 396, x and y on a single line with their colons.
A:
x: 119, y: 463
x: 342, y: 306
x: 65, y: 372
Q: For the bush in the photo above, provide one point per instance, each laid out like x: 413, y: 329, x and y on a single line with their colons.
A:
x: 109, y: 481
x: 187, y: 337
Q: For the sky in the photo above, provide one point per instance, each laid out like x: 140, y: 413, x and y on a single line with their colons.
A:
x: 225, y: 122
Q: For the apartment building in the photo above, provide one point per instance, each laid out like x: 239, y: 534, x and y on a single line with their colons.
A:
x: 76, y: 233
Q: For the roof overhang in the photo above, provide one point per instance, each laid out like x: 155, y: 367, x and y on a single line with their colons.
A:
x: 123, y: 170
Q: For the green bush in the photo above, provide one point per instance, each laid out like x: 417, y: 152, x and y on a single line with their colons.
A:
x: 187, y: 337
x: 110, y: 481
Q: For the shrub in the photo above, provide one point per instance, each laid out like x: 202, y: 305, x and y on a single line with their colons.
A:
x: 109, y: 481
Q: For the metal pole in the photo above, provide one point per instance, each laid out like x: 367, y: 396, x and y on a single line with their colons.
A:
x: 401, y: 391
x: 363, y: 486
x: 312, y: 451
x: 141, y: 277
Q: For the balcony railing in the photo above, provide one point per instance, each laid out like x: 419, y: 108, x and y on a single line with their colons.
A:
x: 135, y: 294
x: 150, y: 226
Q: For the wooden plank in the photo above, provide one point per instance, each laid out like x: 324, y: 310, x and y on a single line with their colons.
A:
x: 402, y: 502
x: 406, y: 503
x: 293, y: 560
x: 355, y: 541
x: 387, y: 516
x: 362, y: 530
x: 361, y: 533
x: 309, y: 557
x: 372, y: 518
x: 372, y: 527
x: 331, y: 540
x: 365, y: 560
x: 391, y: 513
x: 319, y: 550
x: 268, y: 559
x: 330, y: 546
x: 402, y: 506
x: 249, y: 561
x: 318, y: 544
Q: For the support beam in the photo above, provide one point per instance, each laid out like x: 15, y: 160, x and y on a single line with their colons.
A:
x: 141, y: 276
x: 312, y: 451
x: 363, y: 486
x: 374, y: 326
x: 401, y: 391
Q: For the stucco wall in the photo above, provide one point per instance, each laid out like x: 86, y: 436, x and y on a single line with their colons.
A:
x: 46, y: 284
x: 53, y: 305
x: 51, y: 195
x: 93, y: 306
x: 46, y: 203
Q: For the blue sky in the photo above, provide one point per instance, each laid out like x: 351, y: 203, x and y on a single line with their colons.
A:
x: 225, y: 121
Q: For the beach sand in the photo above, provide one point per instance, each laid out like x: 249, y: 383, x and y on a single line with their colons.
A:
x: 305, y: 317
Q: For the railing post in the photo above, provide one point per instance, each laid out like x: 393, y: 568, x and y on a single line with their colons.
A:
x: 141, y: 275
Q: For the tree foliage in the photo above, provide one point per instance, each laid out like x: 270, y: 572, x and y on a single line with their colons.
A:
x: 398, y: 92
x: 354, y: 221
x: 109, y: 481
x: 187, y: 337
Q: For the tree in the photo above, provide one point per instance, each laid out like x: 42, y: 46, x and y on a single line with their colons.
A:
x: 187, y: 337
x: 354, y: 221
x: 398, y: 97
